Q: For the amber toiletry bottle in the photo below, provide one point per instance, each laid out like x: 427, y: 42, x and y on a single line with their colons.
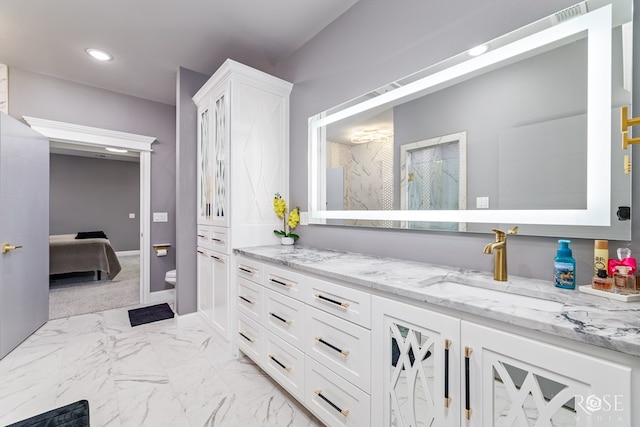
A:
x: 602, y: 282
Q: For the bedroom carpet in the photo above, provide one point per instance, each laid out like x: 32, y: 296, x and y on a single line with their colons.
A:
x: 81, y: 295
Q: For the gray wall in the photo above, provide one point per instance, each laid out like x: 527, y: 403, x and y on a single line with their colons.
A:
x: 188, y: 83
x: 88, y: 194
x: 50, y: 98
x: 376, y: 42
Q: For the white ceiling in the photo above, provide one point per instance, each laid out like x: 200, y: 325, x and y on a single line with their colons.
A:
x: 150, y: 39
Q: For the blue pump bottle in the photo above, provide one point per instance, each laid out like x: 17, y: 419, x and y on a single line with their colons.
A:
x: 564, y: 266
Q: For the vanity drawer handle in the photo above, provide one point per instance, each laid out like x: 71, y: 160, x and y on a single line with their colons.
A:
x: 344, y: 412
x: 246, y: 299
x: 332, y: 347
x: 467, y: 385
x: 288, y: 322
x: 286, y: 368
x: 246, y: 270
x: 251, y: 340
x: 447, y: 399
x: 279, y: 282
x: 200, y: 252
x: 332, y: 301
x: 217, y: 240
x: 202, y: 236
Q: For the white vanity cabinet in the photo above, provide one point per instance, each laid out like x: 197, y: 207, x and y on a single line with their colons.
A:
x: 514, y: 380
x: 242, y: 161
x: 416, y: 366
x: 435, y: 369
x: 311, y: 336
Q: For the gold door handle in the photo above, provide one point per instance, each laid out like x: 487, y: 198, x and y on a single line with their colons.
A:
x: 7, y: 247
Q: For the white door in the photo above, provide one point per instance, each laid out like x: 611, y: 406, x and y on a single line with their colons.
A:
x: 24, y: 232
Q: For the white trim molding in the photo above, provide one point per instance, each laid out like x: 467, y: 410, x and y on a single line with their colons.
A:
x: 97, y: 137
x: 85, y: 135
x: 128, y: 253
x: 157, y: 297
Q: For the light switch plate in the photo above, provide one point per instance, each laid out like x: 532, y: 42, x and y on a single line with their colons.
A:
x: 160, y: 217
x: 482, y: 202
x: 304, y: 218
x: 132, y: 216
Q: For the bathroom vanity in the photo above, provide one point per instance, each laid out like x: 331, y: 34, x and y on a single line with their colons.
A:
x: 363, y: 340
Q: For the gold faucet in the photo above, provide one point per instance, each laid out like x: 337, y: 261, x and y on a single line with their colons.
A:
x: 499, y: 250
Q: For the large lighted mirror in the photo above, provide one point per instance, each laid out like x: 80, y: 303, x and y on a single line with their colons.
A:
x: 527, y: 133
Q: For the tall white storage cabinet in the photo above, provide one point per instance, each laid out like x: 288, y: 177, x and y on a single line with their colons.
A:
x: 243, y: 160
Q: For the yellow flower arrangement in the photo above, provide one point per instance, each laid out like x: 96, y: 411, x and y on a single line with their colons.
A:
x: 289, y: 222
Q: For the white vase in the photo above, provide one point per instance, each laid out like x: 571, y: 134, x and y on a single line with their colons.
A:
x: 286, y: 240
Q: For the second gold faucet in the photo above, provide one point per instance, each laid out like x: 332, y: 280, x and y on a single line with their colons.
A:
x: 499, y: 250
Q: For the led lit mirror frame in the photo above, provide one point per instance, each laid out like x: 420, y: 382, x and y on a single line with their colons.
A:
x: 597, y: 27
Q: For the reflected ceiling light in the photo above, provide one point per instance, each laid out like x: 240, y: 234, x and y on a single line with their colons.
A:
x: 116, y: 150
x: 371, y: 135
x: 478, y: 50
x: 98, y: 54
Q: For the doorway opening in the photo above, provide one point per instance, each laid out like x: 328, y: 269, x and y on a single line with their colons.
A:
x: 84, y: 138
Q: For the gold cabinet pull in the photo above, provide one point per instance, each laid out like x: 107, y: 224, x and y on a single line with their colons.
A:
x: 332, y: 301
x: 282, y: 319
x: 332, y: 347
x: 344, y: 412
x: 8, y: 248
x: 280, y: 282
x: 251, y: 340
x: 447, y: 398
x: 279, y: 363
x: 247, y: 300
x: 246, y: 270
x: 467, y: 382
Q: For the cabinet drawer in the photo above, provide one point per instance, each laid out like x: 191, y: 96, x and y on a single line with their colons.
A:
x: 333, y: 400
x: 347, y: 303
x: 204, y: 236
x: 341, y: 346
x: 250, y: 339
x: 284, y: 281
x: 284, y: 317
x: 249, y: 269
x: 219, y: 239
x: 285, y: 364
x: 250, y: 299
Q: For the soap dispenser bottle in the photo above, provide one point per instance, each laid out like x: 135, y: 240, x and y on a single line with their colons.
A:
x: 564, y: 266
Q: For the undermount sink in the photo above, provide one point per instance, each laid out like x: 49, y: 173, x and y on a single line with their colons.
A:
x: 500, y: 296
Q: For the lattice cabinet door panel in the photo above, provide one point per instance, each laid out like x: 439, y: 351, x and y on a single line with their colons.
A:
x: 204, y: 156
x: 516, y: 381
x: 415, y: 366
x: 219, y: 140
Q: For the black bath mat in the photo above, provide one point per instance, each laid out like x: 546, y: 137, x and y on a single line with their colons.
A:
x: 153, y: 313
x: 73, y: 415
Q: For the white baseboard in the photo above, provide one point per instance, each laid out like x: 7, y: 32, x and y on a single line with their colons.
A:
x: 128, y: 253
x: 168, y: 295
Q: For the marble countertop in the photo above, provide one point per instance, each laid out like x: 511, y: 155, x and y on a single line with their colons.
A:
x: 530, y: 303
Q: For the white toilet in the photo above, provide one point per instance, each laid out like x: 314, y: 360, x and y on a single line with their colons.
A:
x: 170, y: 278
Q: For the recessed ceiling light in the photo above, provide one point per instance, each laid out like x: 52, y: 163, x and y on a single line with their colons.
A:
x: 98, y: 54
x: 116, y: 150
x: 478, y: 50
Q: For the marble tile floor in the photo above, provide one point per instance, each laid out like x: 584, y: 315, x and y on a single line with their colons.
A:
x: 175, y: 372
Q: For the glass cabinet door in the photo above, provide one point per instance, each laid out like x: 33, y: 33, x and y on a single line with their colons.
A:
x: 205, y: 192
x: 419, y: 367
x: 219, y: 137
x: 517, y: 381
x: 213, y: 138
